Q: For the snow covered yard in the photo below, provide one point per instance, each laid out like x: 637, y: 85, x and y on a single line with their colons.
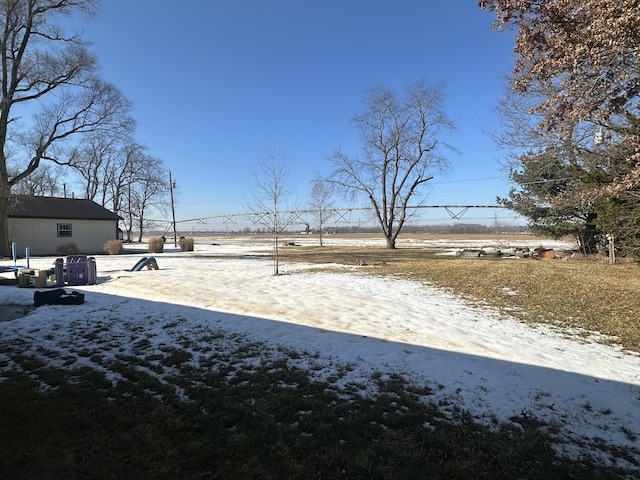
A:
x: 471, y: 359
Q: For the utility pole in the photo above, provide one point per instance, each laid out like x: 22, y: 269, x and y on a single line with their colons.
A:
x: 172, y: 185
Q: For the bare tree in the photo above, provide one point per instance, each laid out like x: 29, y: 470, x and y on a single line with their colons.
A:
x: 149, y: 191
x: 116, y: 172
x: 97, y: 159
x: 119, y: 174
x: 400, y: 149
x: 321, y: 204
x: 129, y: 168
x: 268, y: 201
x: 50, y: 75
x: 45, y: 181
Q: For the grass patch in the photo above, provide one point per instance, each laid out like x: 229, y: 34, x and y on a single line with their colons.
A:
x: 273, y: 422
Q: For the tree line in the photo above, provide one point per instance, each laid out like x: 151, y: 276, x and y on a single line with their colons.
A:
x: 58, y: 116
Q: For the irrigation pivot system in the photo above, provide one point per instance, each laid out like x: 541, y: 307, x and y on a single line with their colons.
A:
x: 342, y: 214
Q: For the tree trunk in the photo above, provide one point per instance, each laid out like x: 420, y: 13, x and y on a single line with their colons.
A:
x: 140, y: 228
x: 391, y: 242
x: 588, y: 238
x: 4, y: 225
x: 276, y: 260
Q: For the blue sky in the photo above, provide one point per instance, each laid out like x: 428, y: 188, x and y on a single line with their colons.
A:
x: 216, y: 82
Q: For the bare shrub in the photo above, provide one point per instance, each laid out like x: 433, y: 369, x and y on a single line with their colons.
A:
x: 65, y: 249
x: 186, y: 244
x: 156, y: 244
x: 114, y: 247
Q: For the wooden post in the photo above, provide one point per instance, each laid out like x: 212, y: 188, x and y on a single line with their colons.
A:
x: 612, y: 250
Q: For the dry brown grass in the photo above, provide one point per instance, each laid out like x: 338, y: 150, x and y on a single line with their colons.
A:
x: 114, y: 247
x: 156, y: 245
x: 588, y: 294
x: 186, y: 244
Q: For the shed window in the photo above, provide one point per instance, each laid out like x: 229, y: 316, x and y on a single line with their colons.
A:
x: 64, y: 230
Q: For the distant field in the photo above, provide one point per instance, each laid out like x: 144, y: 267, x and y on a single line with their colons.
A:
x: 360, y: 236
x: 410, y: 239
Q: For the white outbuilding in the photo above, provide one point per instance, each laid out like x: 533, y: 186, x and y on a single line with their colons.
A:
x: 46, y: 223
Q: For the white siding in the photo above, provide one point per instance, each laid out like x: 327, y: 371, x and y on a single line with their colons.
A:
x: 41, y: 235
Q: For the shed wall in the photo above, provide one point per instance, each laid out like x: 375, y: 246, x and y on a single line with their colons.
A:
x: 41, y: 235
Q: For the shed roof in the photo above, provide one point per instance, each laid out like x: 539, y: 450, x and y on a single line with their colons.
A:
x: 27, y: 206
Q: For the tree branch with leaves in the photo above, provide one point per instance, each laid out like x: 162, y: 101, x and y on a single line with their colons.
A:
x: 577, y: 75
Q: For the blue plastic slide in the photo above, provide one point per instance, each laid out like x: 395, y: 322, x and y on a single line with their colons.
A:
x: 149, y: 262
